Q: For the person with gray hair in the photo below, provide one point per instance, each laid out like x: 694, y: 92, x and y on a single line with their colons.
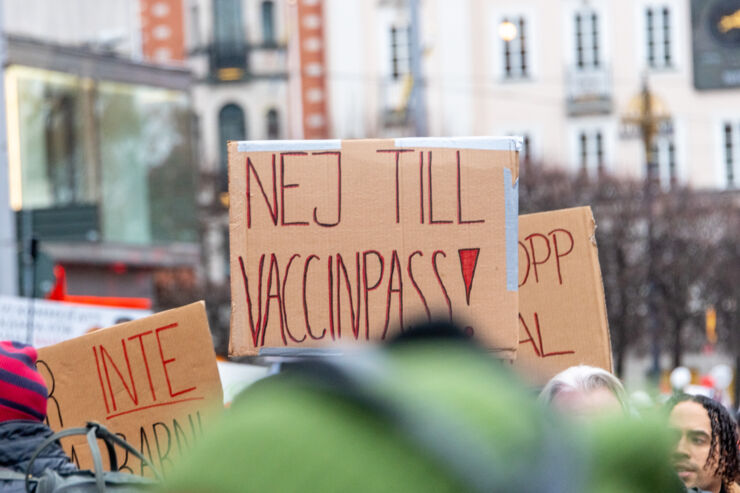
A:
x: 585, y: 392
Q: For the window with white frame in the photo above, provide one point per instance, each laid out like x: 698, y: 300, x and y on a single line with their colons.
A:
x: 588, y: 39
x: 658, y: 36
x: 591, y: 151
x: 515, y: 57
x: 229, y: 41
x: 665, y: 158
x: 731, y: 152
x: 267, y: 10
x: 400, y: 51
x: 273, y: 124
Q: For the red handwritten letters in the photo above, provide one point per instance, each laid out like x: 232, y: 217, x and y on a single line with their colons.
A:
x: 360, y: 241
x: 562, y: 316
x: 116, y: 372
x: 149, y: 380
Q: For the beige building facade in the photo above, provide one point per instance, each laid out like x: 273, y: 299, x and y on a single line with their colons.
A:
x: 564, y: 81
x: 569, y: 72
x: 238, y: 55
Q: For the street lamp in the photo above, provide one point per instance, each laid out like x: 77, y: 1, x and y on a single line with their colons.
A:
x: 507, y: 31
x: 648, y: 117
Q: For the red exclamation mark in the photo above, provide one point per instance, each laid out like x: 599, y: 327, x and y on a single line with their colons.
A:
x: 468, y: 263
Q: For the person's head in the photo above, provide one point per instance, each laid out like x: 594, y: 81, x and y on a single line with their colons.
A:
x: 23, y: 390
x: 585, y: 391
x: 706, y: 454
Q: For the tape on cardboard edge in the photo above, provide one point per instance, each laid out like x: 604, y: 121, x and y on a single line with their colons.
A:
x: 289, y: 145
x: 511, y: 220
x: 479, y: 143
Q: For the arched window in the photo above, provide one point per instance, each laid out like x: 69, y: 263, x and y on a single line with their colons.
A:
x: 268, y: 22
x: 231, y: 126
x: 273, y: 124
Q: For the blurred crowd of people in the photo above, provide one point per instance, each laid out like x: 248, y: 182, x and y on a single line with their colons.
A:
x: 429, y: 411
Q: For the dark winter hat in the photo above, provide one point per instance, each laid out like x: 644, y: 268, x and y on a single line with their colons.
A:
x: 23, y: 391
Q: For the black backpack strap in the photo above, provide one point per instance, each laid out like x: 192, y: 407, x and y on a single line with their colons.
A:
x: 113, y: 439
x: 44, y: 445
x: 92, y: 431
x: 92, y: 442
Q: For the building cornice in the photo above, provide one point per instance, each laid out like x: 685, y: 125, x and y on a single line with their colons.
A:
x: 97, y: 65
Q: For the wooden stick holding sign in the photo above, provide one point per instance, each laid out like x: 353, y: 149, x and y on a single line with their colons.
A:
x: 350, y: 240
x: 153, y: 381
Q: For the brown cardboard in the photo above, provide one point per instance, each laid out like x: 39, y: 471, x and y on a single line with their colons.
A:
x: 152, y: 380
x: 562, y: 313
x: 308, y: 239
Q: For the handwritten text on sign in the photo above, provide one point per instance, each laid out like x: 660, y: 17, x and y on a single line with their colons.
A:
x: 562, y: 315
x: 149, y: 381
x: 352, y: 242
x: 154, y: 362
x: 541, y: 251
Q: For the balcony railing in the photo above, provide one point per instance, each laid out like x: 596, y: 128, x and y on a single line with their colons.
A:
x: 239, y: 62
x: 588, y: 91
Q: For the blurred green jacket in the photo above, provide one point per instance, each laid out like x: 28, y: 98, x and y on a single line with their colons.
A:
x: 427, y: 416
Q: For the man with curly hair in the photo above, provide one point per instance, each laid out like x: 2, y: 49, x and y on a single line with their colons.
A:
x: 706, y: 455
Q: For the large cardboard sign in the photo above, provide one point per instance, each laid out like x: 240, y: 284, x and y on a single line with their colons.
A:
x: 153, y: 381
x: 562, y: 312
x: 350, y: 240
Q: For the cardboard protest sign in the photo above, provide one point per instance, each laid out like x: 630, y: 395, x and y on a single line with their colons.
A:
x: 152, y: 381
x: 350, y: 240
x: 562, y: 312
